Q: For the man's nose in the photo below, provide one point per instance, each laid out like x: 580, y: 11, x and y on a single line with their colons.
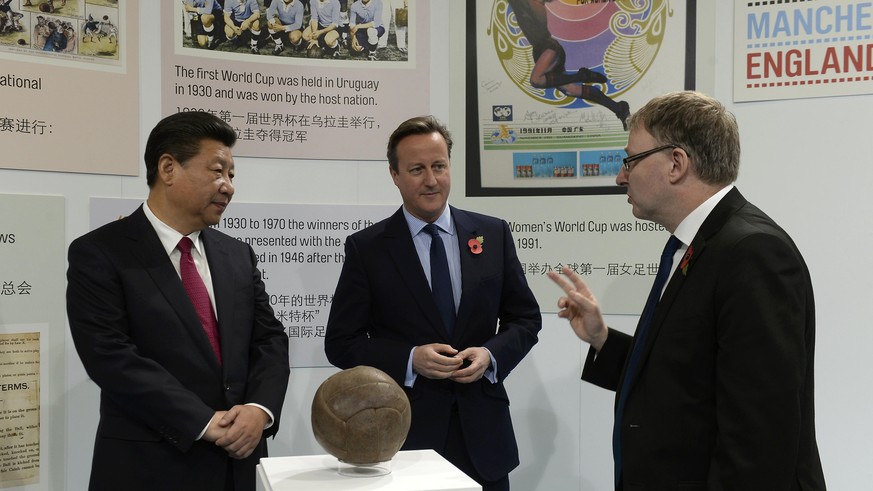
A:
x: 621, y: 178
x: 227, y: 187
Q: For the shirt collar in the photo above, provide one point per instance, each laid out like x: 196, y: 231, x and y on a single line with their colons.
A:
x: 444, y: 222
x: 689, y: 226
x: 168, y: 235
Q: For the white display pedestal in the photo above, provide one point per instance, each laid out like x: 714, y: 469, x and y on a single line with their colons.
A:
x: 411, y: 470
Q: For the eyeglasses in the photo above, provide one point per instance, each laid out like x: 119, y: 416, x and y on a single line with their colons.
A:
x: 640, y: 156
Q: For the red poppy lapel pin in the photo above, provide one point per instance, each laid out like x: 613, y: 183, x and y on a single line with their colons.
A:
x: 475, y: 244
x: 685, y: 260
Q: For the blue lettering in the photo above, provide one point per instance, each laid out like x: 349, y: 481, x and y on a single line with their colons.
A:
x: 803, y: 24
x: 781, y: 26
x: 863, y: 16
x: 843, y: 20
x: 820, y: 20
x: 758, y: 28
x: 820, y: 26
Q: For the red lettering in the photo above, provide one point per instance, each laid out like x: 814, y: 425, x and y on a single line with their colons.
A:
x: 831, y: 61
x: 751, y: 65
x: 869, y: 67
x: 851, y: 59
x: 808, y: 69
x: 793, y: 63
x: 773, y: 63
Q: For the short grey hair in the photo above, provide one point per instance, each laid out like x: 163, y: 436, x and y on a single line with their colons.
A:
x: 701, y: 126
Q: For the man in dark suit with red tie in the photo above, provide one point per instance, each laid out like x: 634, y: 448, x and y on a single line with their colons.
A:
x: 387, y: 312
x: 715, y: 389
x: 171, y: 320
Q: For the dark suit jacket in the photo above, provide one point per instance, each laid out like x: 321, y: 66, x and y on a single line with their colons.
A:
x: 724, y: 392
x: 383, y: 307
x: 140, y: 340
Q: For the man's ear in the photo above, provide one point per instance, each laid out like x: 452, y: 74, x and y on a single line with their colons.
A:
x: 681, y: 165
x: 167, y: 169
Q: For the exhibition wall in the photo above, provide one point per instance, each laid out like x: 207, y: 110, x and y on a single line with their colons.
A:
x: 804, y: 162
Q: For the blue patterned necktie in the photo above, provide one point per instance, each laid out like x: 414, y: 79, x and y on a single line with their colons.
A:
x: 664, y: 269
x: 440, y: 281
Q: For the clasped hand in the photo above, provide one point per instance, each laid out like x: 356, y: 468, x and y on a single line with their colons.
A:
x: 238, y: 430
x: 441, y: 361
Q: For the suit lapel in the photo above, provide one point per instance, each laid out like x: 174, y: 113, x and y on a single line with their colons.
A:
x: 223, y: 284
x: 147, y: 248
x: 401, y: 249
x: 471, y: 267
x: 725, y: 208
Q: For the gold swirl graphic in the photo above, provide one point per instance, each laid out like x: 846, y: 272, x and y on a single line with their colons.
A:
x: 638, y: 40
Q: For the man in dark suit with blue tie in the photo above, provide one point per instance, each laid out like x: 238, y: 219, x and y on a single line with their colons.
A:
x: 715, y: 389
x: 171, y: 320
x: 448, y: 320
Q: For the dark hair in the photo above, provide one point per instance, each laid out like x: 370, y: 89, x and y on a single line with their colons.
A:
x: 420, y: 125
x: 701, y: 125
x: 180, y: 135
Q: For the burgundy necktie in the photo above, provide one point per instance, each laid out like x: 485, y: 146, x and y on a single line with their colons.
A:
x: 196, y: 289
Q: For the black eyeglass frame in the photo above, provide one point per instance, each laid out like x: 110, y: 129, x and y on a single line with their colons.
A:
x: 626, y: 162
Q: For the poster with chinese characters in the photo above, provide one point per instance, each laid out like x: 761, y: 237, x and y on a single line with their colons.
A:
x: 69, y: 85
x: 321, y: 79
x: 792, y: 50
x: 550, y: 86
x: 32, y: 341
x: 300, y: 251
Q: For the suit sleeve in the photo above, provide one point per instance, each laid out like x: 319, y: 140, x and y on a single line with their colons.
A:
x: 268, y: 368
x: 519, y: 319
x: 350, y: 338
x: 101, y: 330
x: 764, y: 348
x: 604, y: 368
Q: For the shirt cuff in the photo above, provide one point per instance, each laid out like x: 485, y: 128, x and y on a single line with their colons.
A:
x: 269, y: 423
x: 491, y: 372
x: 269, y: 414
x: 410, y: 374
x: 205, y: 428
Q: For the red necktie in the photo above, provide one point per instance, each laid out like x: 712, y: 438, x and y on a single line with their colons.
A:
x: 196, y: 289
